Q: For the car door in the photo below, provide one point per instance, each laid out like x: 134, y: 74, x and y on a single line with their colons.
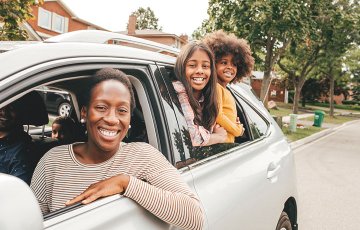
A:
x: 239, y: 187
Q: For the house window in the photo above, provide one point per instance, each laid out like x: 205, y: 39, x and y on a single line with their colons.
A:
x: 58, y: 23
x: 52, y: 21
x: 273, y: 93
x: 44, y: 19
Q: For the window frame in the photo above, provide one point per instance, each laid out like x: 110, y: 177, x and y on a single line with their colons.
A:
x: 54, y: 17
x: 41, y: 15
x: 232, y: 149
x: 51, y: 77
x: 236, y: 94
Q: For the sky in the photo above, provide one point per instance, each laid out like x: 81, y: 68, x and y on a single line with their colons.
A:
x: 175, y: 17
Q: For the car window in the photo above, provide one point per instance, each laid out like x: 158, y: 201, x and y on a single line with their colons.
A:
x: 181, y: 137
x: 143, y: 125
x: 145, y: 128
x: 258, y: 126
x: 58, y: 102
x: 192, y: 154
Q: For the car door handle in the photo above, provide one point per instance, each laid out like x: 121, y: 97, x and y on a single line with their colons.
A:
x: 273, y: 170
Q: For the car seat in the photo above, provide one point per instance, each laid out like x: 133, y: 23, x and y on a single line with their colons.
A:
x: 32, y: 112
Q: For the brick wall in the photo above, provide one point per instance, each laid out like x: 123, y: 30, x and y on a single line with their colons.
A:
x: 56, y: 8
x: 276, y: 90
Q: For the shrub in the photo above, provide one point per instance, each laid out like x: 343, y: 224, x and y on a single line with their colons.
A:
x: 352, y: 102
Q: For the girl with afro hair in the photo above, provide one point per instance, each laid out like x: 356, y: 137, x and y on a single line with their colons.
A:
x: 233, y: 61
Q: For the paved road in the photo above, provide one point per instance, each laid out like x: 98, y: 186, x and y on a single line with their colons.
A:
x: 328, y: 178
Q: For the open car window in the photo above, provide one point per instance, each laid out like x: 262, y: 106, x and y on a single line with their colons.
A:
x: 254, y: 124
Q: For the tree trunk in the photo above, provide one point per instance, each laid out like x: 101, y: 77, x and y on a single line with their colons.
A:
x: 303, y: 101
x: 331, y: 99
x: 265, y: 88
x: 267, y: 72
x: 296, y: 99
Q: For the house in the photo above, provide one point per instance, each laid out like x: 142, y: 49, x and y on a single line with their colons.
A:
x: 276, y: 91
x: 53, y: 17
x: 155, y: 35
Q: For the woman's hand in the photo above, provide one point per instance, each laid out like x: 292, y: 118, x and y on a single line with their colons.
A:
x: 113, y: 185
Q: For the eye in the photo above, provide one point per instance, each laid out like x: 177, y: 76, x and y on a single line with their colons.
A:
x: 191, y: 64
x: 100, y: 108
x: 206, y: 66
x: 123, y: 110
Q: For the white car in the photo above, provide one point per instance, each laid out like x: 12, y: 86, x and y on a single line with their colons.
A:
x: 248, y: 185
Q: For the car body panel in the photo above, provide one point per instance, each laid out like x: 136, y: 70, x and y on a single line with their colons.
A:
x: 19, y: 208
x: 245, y: 171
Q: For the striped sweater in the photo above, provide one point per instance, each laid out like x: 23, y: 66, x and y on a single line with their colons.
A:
x: 59, y: 177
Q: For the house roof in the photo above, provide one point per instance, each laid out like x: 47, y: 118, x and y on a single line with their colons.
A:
x: 73, y: 15
x: 33, y: 35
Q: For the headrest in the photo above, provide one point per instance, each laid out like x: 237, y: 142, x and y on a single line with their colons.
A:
x: 31, y: 109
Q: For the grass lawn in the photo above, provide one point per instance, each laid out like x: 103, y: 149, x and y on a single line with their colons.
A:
x: 300, y: 133
x: 286, y: 109
x: 283, y: 109
x: 333, y: 120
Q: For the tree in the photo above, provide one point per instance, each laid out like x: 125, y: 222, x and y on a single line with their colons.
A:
x: 331, y: 31
x: 268, y: 27
x: 340, y: 33
x: 146, y: 19
x: 352, y: 65
x: 297, y: 65
x: 301, y: 56
x: 320, y: 86
x: 312, y: 89
x: 12, y: 13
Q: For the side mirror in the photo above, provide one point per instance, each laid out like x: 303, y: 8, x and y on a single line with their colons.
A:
x: 19, y: 208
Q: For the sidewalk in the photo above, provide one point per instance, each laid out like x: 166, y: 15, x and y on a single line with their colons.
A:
x: 316, y: 136
x: 328, y: 128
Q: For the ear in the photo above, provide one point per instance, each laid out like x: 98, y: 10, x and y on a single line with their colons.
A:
x: 83, y: 113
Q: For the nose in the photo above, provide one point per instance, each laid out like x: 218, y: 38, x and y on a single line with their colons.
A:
x: 200, y: 69
x: 111, y: 117
x: 230, y: 65
x: 54, y: 135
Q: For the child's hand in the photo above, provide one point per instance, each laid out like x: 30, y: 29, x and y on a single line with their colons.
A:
x: 219, y: 135
x: 221, y: 132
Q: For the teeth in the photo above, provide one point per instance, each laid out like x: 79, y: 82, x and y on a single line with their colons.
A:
x: 108, y: 133
x: 198, y: 79
x: 228, y: 74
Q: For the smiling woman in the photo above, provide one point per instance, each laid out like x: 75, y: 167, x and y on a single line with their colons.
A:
x: 105, y: 166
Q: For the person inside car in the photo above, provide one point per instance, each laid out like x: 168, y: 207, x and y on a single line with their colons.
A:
x: 196, y: 90
x: 63, y: 130
x: 233, y: 61
x: 15, y: 144
x: 104, y: 165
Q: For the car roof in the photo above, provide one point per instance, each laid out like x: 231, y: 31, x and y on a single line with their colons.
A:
x: 25, y: 57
